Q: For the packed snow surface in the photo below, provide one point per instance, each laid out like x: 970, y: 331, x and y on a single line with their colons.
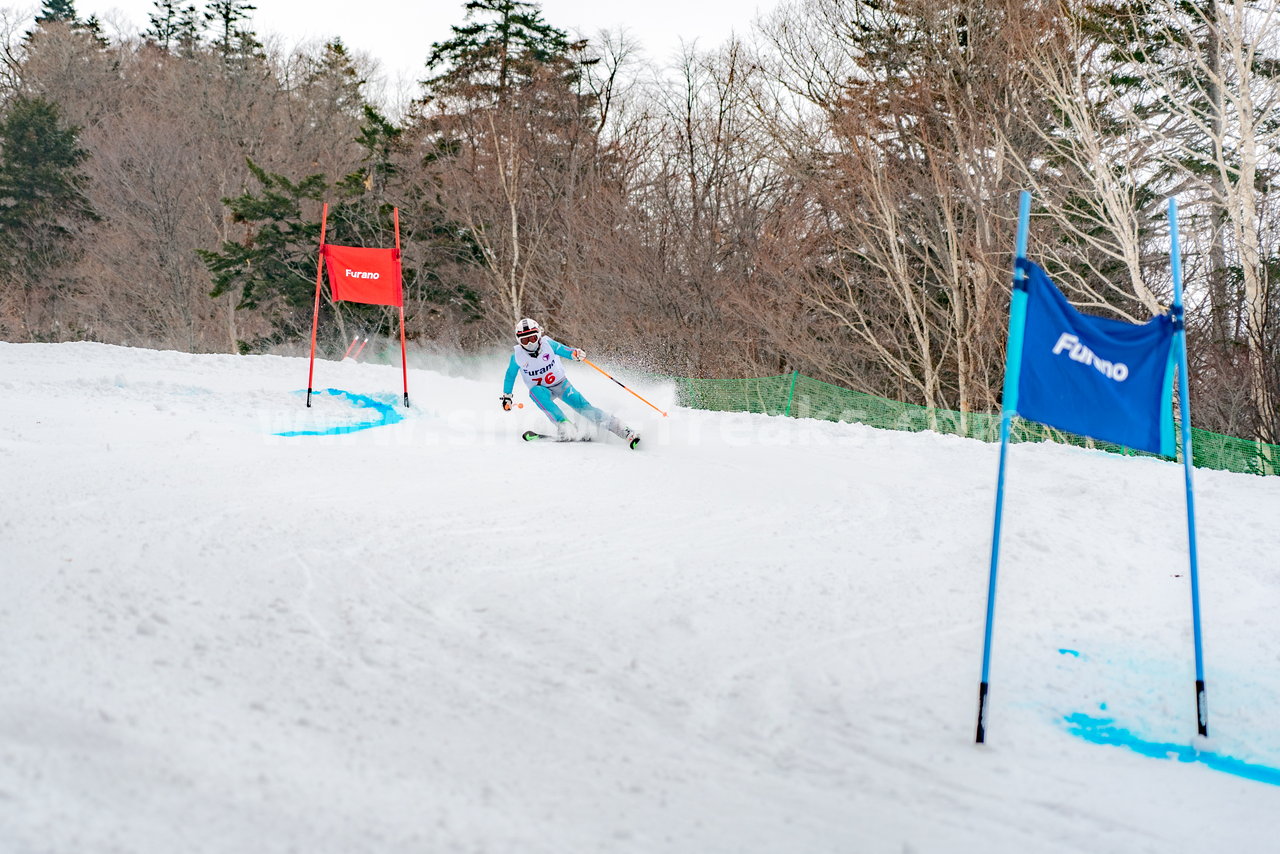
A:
x: 231, y: 623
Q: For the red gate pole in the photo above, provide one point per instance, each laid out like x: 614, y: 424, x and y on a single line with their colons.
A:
x: 404, y: 356
x: 315, y: 316
x: 351, y: 346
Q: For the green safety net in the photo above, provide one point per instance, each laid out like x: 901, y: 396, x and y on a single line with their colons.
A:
x: 798, y: 396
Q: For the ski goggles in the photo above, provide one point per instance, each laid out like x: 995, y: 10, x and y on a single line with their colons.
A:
x: 527, y: 338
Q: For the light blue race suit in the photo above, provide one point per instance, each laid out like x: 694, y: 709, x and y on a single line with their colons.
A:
x: 544, y: 376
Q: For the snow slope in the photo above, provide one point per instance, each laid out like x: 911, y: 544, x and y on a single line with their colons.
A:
x: 752, y: 635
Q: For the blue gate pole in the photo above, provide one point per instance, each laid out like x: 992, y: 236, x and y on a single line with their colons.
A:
x: 1009, y: 407
x: 1184, y: 409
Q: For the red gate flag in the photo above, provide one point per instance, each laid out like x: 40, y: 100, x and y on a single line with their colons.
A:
x: 359, y: 274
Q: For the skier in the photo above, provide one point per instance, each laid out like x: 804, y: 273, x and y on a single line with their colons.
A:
x: 537, y: 358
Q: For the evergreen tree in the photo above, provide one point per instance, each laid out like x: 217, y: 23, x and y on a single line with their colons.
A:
x: 41, y: 196
x: 506, y: 45
x: 335, y: 83
x: 273, y: 267
x: 41, y: 185
x: 232, y: 38
x: 173, y: 26
x: 63, y: 11
x: 435, y: 245
x: 187, y: 31
x: 511, y: 142
x: 379, y: 138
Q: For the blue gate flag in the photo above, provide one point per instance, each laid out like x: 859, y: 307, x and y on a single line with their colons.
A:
x: 1094, y: 376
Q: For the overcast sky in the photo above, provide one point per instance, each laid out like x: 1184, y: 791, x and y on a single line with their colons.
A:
x: 400, y: 32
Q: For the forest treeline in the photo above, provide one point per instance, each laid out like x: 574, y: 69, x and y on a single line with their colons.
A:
x: 834, y: 193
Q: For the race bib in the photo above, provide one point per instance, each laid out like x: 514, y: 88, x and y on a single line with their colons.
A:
x: 544, y: 369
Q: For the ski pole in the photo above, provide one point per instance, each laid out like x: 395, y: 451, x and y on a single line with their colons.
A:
x: 610, y: 376
x: 354, y: 339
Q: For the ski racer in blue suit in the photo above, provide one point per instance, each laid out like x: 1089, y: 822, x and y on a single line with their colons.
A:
x: 536, y: 358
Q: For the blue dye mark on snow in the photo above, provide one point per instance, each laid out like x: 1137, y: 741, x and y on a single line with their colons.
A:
x: 1105, y: 731
x: 1074, y: 652
x: 387, y: 414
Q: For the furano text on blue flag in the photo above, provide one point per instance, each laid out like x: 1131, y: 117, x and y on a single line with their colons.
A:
x: 1095, y: 376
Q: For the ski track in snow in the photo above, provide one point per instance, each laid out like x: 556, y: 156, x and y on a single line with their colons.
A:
x: 753, y: 635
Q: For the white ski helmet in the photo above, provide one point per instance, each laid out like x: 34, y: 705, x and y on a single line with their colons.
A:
x: 529, y: 334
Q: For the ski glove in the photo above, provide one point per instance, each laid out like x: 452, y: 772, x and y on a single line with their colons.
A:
x: 579, y: 355
x: 506, y: 402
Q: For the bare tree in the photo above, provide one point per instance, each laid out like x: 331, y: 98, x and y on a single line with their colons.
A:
x: 907, y: 179
x: 1090, y: 176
